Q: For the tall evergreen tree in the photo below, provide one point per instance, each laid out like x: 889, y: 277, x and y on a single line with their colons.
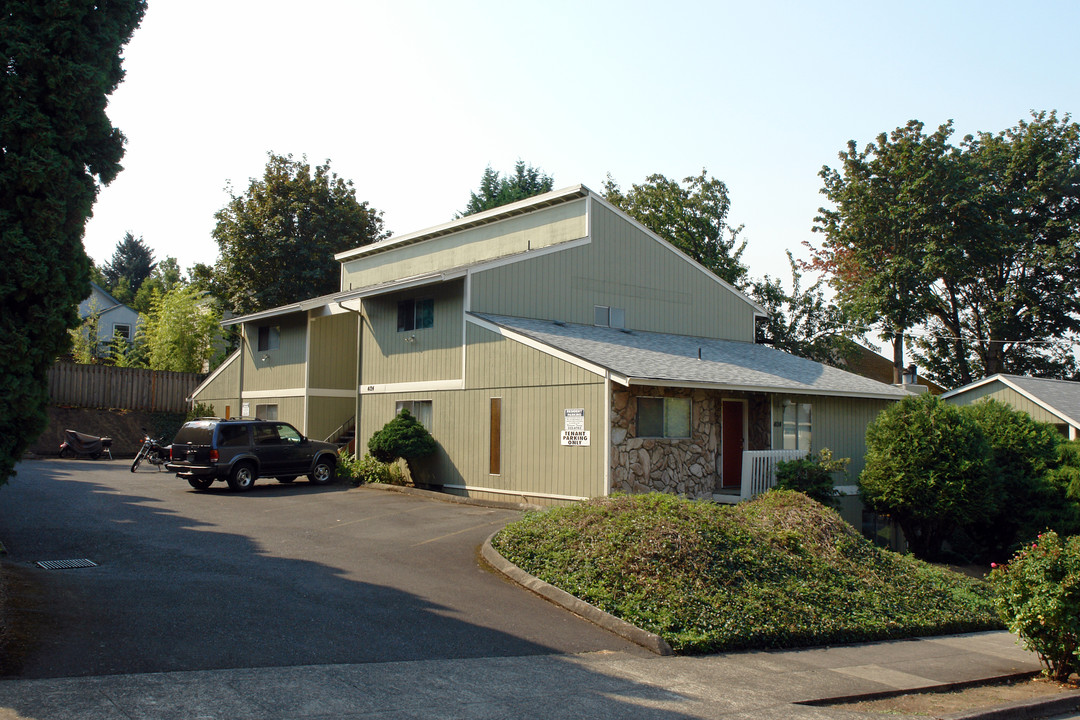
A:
x: 60, y: 61
x: 496, y: 190
x: 132, y: 260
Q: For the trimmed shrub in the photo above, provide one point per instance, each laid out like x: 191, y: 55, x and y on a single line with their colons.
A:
x: 403, y: 437
x: 812, y: 476
x: 1022, y: 451
x: 1038, y: 597
x: 928, y: 467
x: 368, y: 470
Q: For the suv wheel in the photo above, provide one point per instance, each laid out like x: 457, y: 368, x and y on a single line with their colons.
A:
x: 242, y: 477
x: 324, y: 471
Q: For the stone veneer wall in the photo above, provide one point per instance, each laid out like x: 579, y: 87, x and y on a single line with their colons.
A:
x: 681, y: 466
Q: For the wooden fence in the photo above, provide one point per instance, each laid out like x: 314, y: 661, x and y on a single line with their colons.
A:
x: 105, y: 386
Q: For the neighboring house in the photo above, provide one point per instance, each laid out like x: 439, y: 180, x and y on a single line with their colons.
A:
x: 557, y: 350
x: 1053, y: 401
x: 868, y: 363
x: 113, y: 317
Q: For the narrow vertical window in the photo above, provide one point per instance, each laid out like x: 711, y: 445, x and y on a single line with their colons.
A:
x: 495, y: 459
x: 797, y: 424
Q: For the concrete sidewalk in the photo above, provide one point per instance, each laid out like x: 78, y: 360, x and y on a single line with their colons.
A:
x: 595, y: 685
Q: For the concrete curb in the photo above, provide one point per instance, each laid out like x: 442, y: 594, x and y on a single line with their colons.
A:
x: 577, y: 606
x: 1021, y: 710
x: 450, y: 498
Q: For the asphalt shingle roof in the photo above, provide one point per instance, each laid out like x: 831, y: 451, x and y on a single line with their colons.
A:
x: 1061, y: 395
x: 646, y: 356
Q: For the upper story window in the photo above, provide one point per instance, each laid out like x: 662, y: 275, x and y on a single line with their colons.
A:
x: 269, y: 337
x: 123, y: 330
x: 415, y: 314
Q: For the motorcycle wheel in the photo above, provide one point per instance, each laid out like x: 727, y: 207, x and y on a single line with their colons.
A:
x: 66, y: 452
x: 137, y: 460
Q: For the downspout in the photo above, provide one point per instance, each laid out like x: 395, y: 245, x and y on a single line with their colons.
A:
x: 307, y: 373
x: 240, y: 390
x: 607, y: 433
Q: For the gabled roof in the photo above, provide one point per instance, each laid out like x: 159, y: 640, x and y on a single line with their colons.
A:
x: 644, y: 358
x: 1060, y: 397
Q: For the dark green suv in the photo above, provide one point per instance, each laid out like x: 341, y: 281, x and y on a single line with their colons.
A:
x: 241, y: 451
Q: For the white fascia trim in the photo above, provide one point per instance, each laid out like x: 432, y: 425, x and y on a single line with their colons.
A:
x: 972, y: 386
x: 1041, y: 403
x: 758, y: 310
x: 404, y: 387
x: 488, y: 217
x: 331, y: 393
x: 530, y: 254
x: 213, y: 376
x: 282, y: 393
x: 397, y: 286
x: 537, y: 345
x: 517, y: 493
x: 762, y: 389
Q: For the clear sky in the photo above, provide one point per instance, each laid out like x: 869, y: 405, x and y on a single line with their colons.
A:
x: 412, y: 100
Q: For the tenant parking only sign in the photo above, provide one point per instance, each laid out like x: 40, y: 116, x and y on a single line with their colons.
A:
x: 574, y: 432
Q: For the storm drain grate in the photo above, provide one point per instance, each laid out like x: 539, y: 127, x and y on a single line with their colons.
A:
x: 65, y: 564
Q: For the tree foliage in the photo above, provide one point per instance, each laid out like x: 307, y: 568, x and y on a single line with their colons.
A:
x: 277, y: 241
x: 928, y: 467
x: 496, y: 190
x: 693, y: 218
x: 803, y: 322
x: 61, y: 60
x: 179, y: 330
x: 132, y: 261
x: 980, y: 241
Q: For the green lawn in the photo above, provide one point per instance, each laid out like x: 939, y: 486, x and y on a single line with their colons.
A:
x: 780, y: 571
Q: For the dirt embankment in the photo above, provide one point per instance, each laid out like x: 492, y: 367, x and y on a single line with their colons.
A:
x: 125, y: 427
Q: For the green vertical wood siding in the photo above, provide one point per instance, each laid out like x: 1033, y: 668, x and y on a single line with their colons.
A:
x: 431, y: 353
x: 333, y: 351
x: 538, y: 229
x: 839, y: 424
x: 535, y: 390
x: 284, y: 367
x: 1003, y: 393
x: 327, y: 414
x: 621, y: 267
x: 223, y: 390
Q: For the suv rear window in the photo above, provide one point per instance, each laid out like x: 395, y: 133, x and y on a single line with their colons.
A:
x: 195, y: 433
x: 232, y: 435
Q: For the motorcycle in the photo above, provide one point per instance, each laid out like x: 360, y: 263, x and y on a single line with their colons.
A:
x: 152, y: 452
x: 77, y: 444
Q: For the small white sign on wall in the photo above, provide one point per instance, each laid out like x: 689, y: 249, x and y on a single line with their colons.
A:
x: 245, y: 410
x: 575, y: 419
x: 579, y: 438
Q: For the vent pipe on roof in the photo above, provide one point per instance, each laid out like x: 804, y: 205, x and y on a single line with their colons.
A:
x: 699, y: 353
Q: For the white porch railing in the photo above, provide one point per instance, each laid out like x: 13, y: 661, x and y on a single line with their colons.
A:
x: 759, y: 469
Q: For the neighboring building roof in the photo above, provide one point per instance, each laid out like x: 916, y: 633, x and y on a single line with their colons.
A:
x: 643, y: 358
x: 870, y: 364
x: 1060, y: 397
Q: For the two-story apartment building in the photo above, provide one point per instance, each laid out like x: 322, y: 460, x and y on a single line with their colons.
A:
x: 557, y: 350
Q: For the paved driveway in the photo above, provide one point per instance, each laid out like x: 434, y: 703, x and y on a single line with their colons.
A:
x: 280, y: 576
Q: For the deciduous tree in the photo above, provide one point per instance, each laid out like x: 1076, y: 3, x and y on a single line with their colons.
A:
x: 692, y: 218
x: 60, y: 62
x: 278, y: 240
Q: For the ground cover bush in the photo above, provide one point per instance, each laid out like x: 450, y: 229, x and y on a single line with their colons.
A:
x: 366, y: 469
x: 812, y: 476
x: 779, y: 571
x: 1038, y: 596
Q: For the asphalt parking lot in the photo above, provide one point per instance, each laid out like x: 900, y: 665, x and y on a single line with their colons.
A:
x: 284, y: 575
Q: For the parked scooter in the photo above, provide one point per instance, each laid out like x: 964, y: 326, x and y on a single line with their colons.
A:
x: 152, y: 452
x: 77, y: 444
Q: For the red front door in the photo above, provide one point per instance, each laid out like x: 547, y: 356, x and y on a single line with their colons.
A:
x: 731, y: 443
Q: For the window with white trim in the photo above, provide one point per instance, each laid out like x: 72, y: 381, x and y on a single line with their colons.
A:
x: 123, y: 330
x: 419, y: 409
x: 266, y: 412
x: 415, y: 314
x: 797, y: 422
x: 663, y: 417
